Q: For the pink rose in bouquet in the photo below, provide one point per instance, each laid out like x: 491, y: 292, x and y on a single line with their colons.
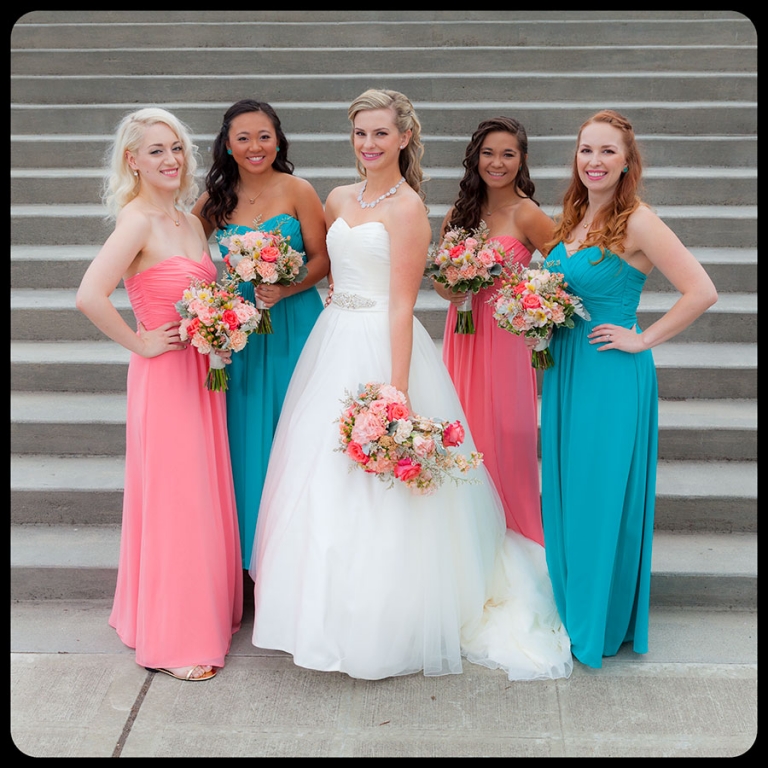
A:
x: 453, y: 434
x: 262, y: 257
x: 214, y: 316
x: 407, y: 469
x: 379, y: 434
x: 533, y: 302
x: 466, y: 262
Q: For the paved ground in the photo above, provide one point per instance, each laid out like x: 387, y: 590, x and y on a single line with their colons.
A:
x: 77, y: 692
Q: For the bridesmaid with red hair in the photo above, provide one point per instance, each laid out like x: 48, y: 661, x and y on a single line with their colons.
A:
x: 599, y: 410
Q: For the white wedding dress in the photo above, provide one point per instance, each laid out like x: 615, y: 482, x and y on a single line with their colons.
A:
x: 356, y: 577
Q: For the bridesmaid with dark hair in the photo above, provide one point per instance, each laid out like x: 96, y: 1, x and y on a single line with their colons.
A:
x: 251, y: 185
x: 491, y: 369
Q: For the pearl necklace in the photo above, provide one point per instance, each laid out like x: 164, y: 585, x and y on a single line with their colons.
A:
x: 378, y: 200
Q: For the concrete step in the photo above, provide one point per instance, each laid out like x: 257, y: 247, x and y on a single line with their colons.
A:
x: 453, y: 85
x: 718, y: 226
x: 695, y: 153
x: 80, y: 423
x: 691, y: 496
x: 694, y: 694
x: 328, y: 29
x: 62, y: 627
x: 685, y: 371
x: 438, y: 118
x: 661, y: 186
x: 552, y: 56
x: 62, y: 267
x: 62, y: 562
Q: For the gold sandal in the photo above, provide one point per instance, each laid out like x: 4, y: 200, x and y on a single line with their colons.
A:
x: 188, y: 677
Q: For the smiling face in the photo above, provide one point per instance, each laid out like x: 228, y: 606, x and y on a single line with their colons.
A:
x: 376, y: 140
x: 159, y: 158
x: 600, y: 157
x: 253, y: 141
x: 499, y: 159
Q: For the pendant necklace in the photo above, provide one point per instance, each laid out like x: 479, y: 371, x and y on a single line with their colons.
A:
x: 252, y: 200
x: 378, y: 200
x: 503, y: 205
x: 177, y: 222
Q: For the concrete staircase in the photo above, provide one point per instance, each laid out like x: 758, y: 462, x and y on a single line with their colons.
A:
x: 687, y: 80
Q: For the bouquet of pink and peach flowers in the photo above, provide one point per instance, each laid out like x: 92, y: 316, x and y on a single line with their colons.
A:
x: 465, y: 262
x: 533, y: 302
x: 381, y: 436
x: 215, y: 316
x: 263, y: 257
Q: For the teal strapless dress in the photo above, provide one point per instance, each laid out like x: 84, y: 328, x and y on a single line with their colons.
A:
x: 599, y: 446
x: 258, y: 380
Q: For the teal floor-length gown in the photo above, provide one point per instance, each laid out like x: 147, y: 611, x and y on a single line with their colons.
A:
x: 258, y: 379
x: 599, y: 436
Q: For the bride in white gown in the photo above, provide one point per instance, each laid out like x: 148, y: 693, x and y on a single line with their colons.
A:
x: 353, y: 576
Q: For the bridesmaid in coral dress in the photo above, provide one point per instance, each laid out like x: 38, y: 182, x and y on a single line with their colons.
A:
x: 179, y: 584
x: 491, y: 369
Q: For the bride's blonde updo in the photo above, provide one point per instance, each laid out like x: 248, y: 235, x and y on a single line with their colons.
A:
x: 121, y: 185
x: 405, y: 120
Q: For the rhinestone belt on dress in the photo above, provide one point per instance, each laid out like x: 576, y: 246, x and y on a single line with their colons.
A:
x: 351, y: 300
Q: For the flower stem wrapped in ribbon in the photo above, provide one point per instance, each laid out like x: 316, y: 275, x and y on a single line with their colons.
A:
x: 381, y: 436
x: 214, y: 316
x: 261, y: 257
x: 465, y: 262
x: 533, y: 302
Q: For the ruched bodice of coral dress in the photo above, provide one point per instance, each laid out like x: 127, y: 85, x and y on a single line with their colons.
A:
x: 492, y: 372
x: 354, y: 576
x: 179, y: 585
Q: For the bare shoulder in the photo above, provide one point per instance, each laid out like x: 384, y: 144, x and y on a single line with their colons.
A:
x: 643, y: 216
x: 197, y: 225
x: 410, y: 204
x: 133, y: 216
x: 342, y: 193
x: 644, y: 227
x: 334, y: 203
x: 299, y: 187
x: 408, y: 215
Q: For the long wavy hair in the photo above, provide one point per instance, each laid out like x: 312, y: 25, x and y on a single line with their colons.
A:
x: 609, y: 225
x: 120, y: 186
x: 405, y: 120
x: 467, y: 210
x: 223, y: 177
